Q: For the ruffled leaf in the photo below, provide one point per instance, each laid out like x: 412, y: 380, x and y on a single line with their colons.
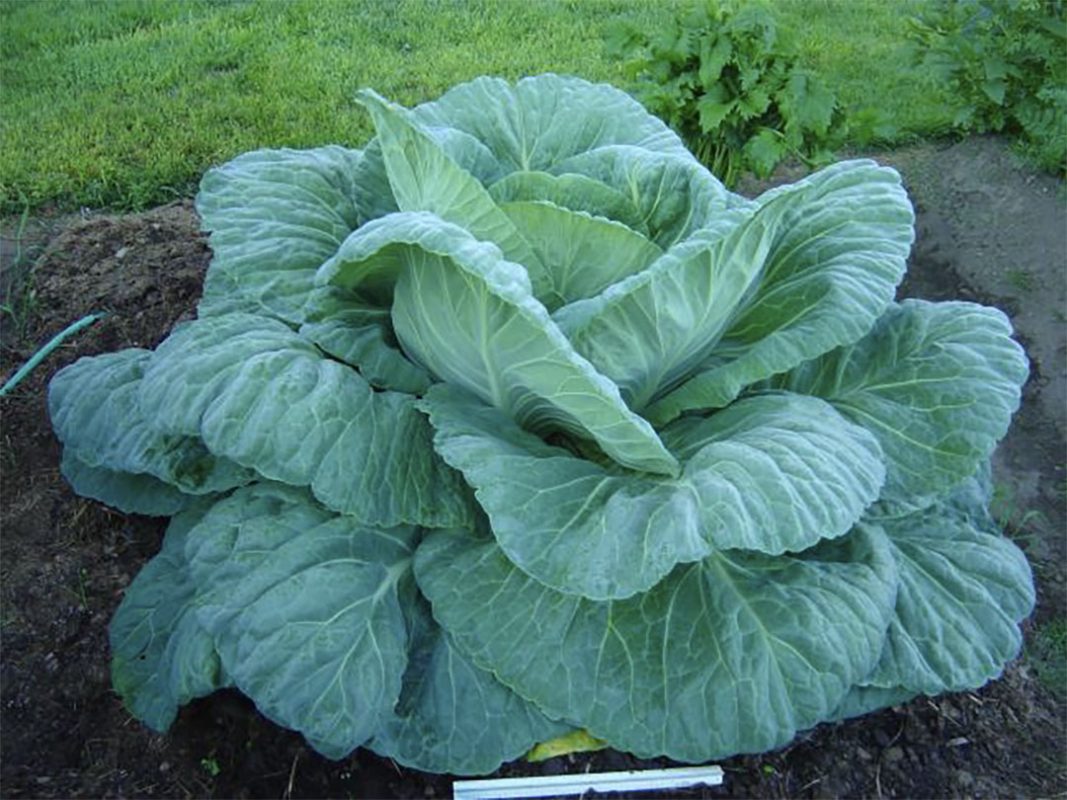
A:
x: 264, y: 397
x: 274, y: 217
x: 731, y: 654
x: 775, y: 473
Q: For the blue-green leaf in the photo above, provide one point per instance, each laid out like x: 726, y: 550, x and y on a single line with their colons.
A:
x: 96, y: 414
x: 454, y: 716
x: 963, y: 590
x: 731, y: 654
x: 161, y: 657
x: 544, y: 119
x: 264, y: 397
x: 937, y: 383
x: 304, y: 611
x: 274, y: 217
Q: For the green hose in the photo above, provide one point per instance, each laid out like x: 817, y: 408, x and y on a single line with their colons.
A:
x: 45, y: 351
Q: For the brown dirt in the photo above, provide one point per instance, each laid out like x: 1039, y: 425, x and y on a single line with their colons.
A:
x: 988, y: 230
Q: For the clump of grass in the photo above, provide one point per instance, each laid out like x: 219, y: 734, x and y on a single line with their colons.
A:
x: 1021, y: 280
x: 17, y: 295
x: 1018, y: 521
x: 1046, y: 653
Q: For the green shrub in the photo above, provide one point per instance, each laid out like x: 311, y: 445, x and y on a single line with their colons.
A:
x: 1005, y: 63
x: 726, y: 79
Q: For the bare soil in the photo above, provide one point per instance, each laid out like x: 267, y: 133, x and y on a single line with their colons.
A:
x: 988, y: 230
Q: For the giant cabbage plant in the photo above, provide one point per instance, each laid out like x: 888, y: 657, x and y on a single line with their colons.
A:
x: 516, y: 421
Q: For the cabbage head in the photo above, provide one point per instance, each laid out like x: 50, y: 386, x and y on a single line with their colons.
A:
x: 516, y: 422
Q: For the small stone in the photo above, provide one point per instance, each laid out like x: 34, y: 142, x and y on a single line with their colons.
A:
x: 164, y: 766
x: 121, y: 252
x: 893, y: 754
x: 863, y: 754
x: 964, y: 779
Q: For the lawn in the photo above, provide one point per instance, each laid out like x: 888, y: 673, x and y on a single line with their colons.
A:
x: 123, y: 104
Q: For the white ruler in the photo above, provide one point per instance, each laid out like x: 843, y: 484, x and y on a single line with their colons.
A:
x: 555, y: 785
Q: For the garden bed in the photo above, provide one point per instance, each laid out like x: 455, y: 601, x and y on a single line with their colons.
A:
x: 988, y: 230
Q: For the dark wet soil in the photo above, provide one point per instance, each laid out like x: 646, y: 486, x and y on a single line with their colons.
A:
x: 989, y: 230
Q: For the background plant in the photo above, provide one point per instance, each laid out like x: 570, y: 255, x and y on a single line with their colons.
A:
x: 726, y: 78
x: 1006, y: 63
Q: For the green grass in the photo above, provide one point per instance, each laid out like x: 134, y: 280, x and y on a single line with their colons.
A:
x: 124, y: 103
x: 860, y: 48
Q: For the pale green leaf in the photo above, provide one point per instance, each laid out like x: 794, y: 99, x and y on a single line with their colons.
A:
x: 469, y: 317
x: 651, y: 330
x: 570, y: 190
x: 582, y: 254
x: 674, y: 195
x: 836, y: 257
x: 424, y: 178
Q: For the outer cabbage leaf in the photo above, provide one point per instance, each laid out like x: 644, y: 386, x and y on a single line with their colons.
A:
x: 161, y: 657
x: 963, y: 589
x: 129, y: 492
x: 773, y: 473
x: 731, y: 654
x: 304, y: 611
x: 468, y: 316
x: 95, y: 412
x: 937, y: 383
x: 274, y: 217
x: 452, y: 715
x: 839, y: 252
x: 261, y: 395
